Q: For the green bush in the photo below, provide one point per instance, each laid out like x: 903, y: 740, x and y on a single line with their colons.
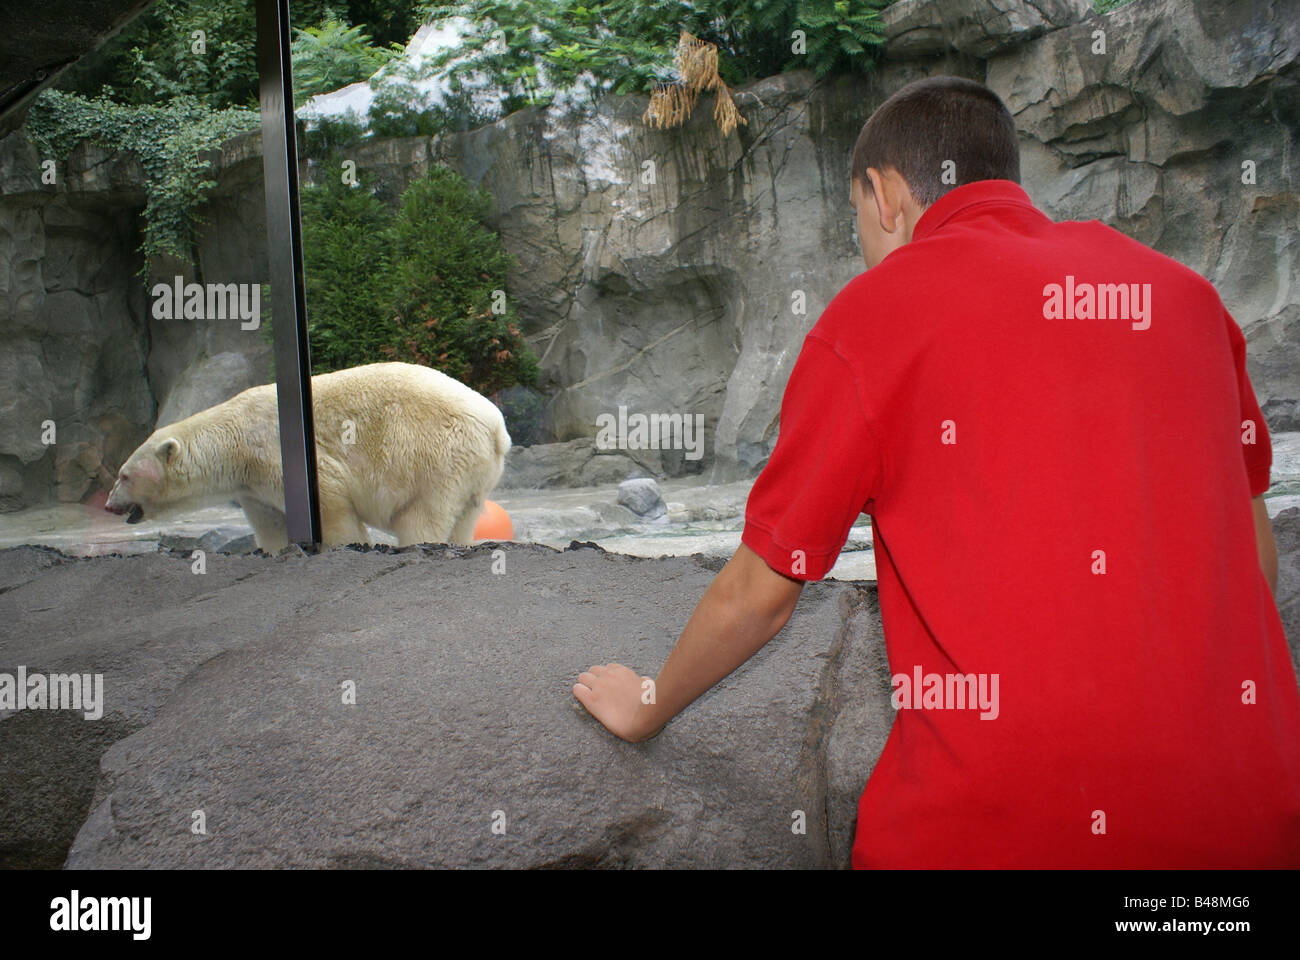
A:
x: 416, y: 285
x: 168, y: 140
x: 333, y: 55
x: 346, y: 247
x: 449, y: 271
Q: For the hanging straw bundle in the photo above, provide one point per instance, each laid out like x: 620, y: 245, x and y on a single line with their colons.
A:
x: 697, y: 64
x: 670, y: 105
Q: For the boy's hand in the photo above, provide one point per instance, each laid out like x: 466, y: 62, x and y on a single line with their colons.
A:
x: 744, y: 607
x: 612, y: 694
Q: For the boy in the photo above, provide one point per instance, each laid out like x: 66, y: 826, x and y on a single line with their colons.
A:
x: 1053, y: 431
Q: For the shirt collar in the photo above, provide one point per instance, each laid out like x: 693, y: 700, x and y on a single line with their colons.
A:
x: 959, y: 199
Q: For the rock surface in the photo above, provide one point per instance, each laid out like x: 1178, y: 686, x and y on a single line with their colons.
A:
x: 72, y: 342
x: 575, y: 463
x: 641, y: 496
x: 224, y: 694
x: 917, y: 28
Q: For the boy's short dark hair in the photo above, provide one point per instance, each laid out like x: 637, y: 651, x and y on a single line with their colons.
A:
x: 935, y: 120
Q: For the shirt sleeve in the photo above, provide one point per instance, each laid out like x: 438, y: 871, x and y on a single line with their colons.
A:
x: 823, y: 473
x: 1258, y: 455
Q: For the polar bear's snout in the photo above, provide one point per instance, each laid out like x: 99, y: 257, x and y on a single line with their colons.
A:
x: 142, y: 482
x: 119, y: 502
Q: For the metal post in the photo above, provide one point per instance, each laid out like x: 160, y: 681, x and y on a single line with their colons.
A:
x: 284, y: 254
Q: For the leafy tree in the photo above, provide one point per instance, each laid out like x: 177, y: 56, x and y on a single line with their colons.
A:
x: 330, y: 135
x: 153, y: 58
x: 387, y: 21
x: 334, y: 55
x: 416, y: 285
x: 346, y: 250
x: 449, y: 274
x: 400, y: 109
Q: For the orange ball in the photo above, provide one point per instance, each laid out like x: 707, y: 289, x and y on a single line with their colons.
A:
x: 493, y: 523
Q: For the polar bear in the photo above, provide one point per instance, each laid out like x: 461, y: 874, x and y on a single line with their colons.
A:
x: 401, y: 447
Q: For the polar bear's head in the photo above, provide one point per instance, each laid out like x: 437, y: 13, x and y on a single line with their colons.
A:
x: 148, y: 480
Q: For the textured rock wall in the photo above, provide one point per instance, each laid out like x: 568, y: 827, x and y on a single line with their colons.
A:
x: 73, y: 343
x: 78, y: 340
x: 690, y: 294
x: 680, y: 295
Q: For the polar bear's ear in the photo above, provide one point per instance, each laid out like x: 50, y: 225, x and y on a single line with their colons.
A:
x: 168, y: 449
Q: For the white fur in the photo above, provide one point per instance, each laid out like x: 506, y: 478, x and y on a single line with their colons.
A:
x: 427, y: 450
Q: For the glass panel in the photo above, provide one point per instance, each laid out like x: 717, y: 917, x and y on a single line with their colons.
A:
x: 133, y: 216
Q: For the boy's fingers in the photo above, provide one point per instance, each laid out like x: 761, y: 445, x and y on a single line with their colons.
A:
x: 587, y: 678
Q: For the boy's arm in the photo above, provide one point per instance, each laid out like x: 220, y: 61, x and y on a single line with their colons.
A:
x: 1265, y: 543
x: 744, y: 607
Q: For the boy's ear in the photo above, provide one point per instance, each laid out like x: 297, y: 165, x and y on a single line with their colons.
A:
x: 893, y: 197
x: 881, y: 194
x: 168, y: 449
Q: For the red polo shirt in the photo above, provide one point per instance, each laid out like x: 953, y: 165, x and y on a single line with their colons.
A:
x: 1059, y: 482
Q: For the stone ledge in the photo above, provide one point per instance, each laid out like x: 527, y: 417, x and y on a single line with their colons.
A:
x: 223, y: 695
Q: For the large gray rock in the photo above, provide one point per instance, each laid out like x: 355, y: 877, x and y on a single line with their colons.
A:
x: 674, y: 272
x: 641, y: 496
x: 919, y: 28
x: 224, y: 697
x: 575, y: 463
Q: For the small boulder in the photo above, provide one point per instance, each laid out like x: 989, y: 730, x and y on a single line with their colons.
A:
x: 641, y: 496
